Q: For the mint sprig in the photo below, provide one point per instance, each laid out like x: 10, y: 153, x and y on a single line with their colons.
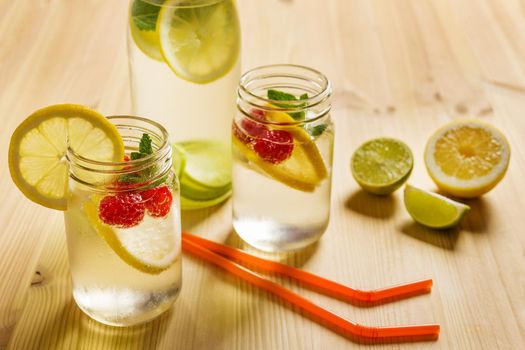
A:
x: 277, y: 95
x: 145, y: 15
x: 145, y: 149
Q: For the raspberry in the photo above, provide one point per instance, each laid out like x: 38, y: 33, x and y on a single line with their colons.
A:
x: 274, y: 146
x: 122, y: 210
x: 249, y: 130
x: 158, y: 201
x: 126, y: 158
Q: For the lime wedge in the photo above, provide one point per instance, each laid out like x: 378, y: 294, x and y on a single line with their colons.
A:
x: 382, y: 165
x: 433, y: 210
x: 200, y: 43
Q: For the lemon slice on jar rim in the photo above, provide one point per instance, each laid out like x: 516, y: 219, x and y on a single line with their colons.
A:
x: 38, y: 147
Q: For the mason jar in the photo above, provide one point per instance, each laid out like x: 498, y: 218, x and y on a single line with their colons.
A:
x: 283, y: 141
x: 123, y: 228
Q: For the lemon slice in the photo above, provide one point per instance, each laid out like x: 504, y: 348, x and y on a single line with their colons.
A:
x: 382, y: 165
x: 143, y: 28
x: 200, y: 43
x: 38, y: 146
x: 304, y: 170
x: 467, y: 158
x: 146, y: 247
x: 433, y: 210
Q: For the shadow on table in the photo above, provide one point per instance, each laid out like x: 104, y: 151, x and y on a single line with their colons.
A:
x: 375, y: 206
x: 192, y: 218
x: 445, y: 239
x: 71, y: 328
x: 295, y: 258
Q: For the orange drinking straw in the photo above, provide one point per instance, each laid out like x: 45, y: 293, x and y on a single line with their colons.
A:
x: 353, y: 330
x: 324, y: 285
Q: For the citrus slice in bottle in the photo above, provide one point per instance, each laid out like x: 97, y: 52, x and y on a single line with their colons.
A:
x: 382, y: 165
x: 467, y: 158
x: 150, y: 250
x: 433, y: 210
x: 199, y: 41
x: 303, y: 170
x: 38, y: 146
x: 143, y: 28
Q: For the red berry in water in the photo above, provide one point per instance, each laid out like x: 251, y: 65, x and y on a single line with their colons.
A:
x: 122, y: 210
x: 158, y: 201
x: 126, y: 158
x: 274, y: 146
x: 248, y: 130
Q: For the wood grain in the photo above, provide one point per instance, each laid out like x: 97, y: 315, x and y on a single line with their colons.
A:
x: 399, y: 68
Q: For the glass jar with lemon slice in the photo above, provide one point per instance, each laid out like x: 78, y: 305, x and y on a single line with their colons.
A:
x: 123, y: 227
x: 283, y: 143
x: 184, y: 69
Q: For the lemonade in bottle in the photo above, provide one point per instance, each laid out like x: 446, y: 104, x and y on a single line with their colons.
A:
x: 184, y: 70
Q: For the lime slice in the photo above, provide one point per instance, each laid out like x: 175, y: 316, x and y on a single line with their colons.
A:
x: 38, y: 147
x: 208, y: 163
x: 190, y: 204
x: 303, y: 171
x: 433, y: 210
x: 143, y: 28
x: 148, y: 250
x: 382, y: 165
x: 178, y: 160
x: 200, y: 43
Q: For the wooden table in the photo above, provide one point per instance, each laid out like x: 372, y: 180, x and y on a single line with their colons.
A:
x: 399, y: 68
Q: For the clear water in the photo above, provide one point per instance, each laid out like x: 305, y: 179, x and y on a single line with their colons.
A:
x: 104, y: 286
x: 273, y: 217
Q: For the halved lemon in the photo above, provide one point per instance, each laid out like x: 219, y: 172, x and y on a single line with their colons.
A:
x: 200, y: 42
x: 150, y: 250
x: 467, y: 158
x: 38, y: 147
x: 433, y: 210
x: 304, y: 170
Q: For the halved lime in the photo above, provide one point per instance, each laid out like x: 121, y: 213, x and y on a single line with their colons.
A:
x: 200, y: 43
x: 382, y: 165
x: 178, y: 159
x: 433, y: 210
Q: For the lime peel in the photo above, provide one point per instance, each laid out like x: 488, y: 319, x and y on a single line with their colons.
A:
x: 433, y: 210
x: 382, y: 165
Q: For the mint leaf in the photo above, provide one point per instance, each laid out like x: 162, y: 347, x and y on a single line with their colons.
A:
x: 277, y: 95
x: 316, y: 130
x: 145, y: 15
x: 136, y: 155
x: 145, y: 144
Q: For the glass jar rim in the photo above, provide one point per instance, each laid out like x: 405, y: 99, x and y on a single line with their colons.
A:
x: 155, y: 155
x: 311, y: 76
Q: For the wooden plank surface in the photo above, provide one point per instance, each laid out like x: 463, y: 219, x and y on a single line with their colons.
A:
x: 399, y: 68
